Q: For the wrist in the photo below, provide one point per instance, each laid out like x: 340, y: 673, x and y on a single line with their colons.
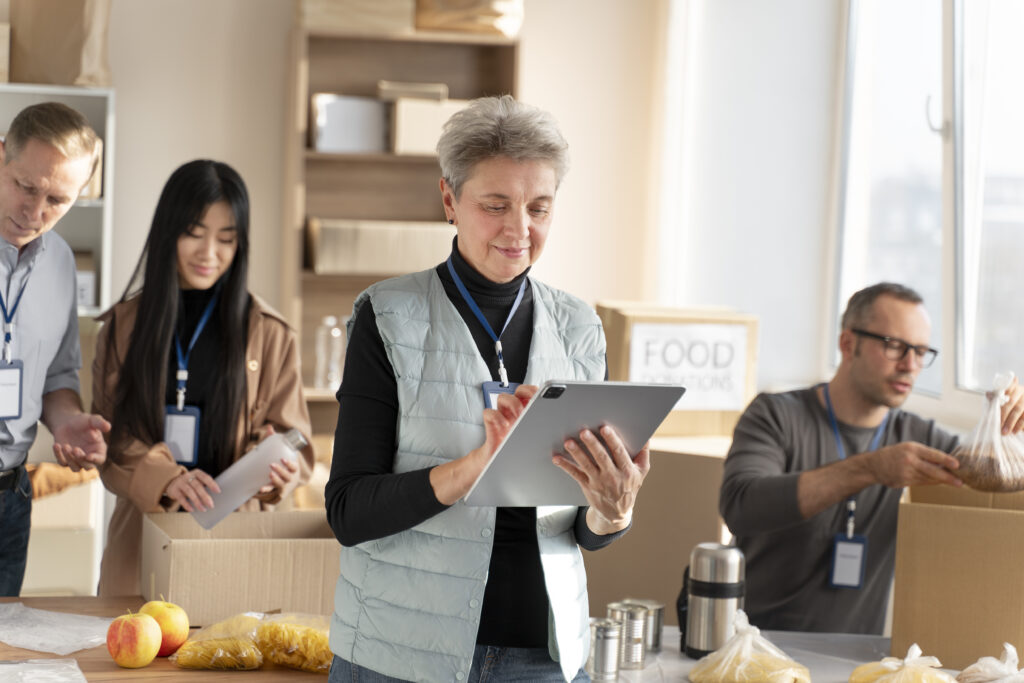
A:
x: 602, y: 525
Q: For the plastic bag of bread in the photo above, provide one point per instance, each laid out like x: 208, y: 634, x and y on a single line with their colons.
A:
x: 748, y: 657
x: 228, y: 644
x: 1003, y: 670
x: 990, y: 460
x: 297, y: 641
x: 913, y: 669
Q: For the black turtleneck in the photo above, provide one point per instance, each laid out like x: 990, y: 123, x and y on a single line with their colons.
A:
x: 366, y: 500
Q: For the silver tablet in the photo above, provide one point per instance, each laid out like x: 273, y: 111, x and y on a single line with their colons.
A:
x: 521, y: 473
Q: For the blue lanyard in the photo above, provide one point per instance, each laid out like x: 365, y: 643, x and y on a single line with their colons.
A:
x: 483, y: 321
x: 851, y: 504
x: 9, y: 321
x: 182, y: 374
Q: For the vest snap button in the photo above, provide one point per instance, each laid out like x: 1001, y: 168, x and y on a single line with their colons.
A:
x: 474, y: 602
x: 485, y: 533
x: 459, y: 676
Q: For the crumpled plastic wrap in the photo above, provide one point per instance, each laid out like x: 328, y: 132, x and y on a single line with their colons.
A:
x: 41, y: 671
x: 748, y: 657
x: 912, y: 669
x: 227, y: 645
x: 297, y: 641
x: 990, y: 669
x: 44, y: 631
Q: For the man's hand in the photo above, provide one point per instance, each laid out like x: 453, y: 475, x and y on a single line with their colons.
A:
x: 911, y: 464
x: 78, y: 441
x: 1013, y: 410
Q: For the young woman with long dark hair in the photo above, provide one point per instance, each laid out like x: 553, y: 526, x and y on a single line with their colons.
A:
x: 191, y: 369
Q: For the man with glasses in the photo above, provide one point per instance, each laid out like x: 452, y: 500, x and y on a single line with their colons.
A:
x: 814, y: 476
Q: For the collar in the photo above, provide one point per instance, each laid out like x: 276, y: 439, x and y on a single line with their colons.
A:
x: 477, y: 283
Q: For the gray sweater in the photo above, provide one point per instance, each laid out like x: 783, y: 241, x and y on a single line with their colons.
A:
x: 788, y: 558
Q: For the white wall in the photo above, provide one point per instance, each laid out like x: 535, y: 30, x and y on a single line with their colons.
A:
x: 758, y: 196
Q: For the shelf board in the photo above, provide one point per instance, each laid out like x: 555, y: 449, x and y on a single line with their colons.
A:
x: 96, y: 203
x: 314, y: 395
x: 415, y: 36
x: 383, y: 157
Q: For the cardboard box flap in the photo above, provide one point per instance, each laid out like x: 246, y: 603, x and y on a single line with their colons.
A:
x: 966, y: 497
x: 246, y: 525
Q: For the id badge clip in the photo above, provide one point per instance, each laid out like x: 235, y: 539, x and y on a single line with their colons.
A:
x: 12, y: 374
x: 492, y: 389
x: 181, y: 433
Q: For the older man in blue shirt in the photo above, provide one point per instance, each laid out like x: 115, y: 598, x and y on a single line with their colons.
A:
x: 47, y: 157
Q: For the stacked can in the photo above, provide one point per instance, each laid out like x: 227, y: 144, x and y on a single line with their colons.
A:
x: 632, y: 645
x: 655, y: 621
x: 603, y: 660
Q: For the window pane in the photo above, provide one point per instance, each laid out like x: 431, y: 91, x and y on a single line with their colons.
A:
x: 891, y: 198
x: 991, y: 231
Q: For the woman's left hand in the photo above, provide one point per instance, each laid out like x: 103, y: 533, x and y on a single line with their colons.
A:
x: 609, y: 477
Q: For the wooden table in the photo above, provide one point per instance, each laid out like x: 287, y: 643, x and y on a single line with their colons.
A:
x: 97, y: 665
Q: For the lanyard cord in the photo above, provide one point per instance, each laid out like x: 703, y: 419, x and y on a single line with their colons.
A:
x: 9, y: 320
x: 851, y: 504
x: 468, y: 298
x: 182, y: 374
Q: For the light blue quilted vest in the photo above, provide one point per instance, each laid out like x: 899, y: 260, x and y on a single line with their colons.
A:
x: 408, y: 605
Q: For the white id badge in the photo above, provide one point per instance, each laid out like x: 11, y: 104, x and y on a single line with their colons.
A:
x: 849, y: 554
x: 11, y: 375
x: 492, y: 389
x: 181, y: 433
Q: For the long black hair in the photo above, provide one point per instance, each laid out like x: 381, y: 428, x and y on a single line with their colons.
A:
x: 141, y: 387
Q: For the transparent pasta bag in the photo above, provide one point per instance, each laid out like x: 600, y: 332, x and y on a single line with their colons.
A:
x: 297, y: 641
x: 990, y: 669
x: 227, y: 645
x: 913, y: 669
x: 748, y: 657
x: 990, y: 460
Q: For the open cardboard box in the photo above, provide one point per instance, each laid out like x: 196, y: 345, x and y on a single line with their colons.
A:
x: 959, y: 590
x: 251, y: 561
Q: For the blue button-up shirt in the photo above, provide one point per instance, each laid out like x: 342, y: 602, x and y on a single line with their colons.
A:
x: 45, y: 335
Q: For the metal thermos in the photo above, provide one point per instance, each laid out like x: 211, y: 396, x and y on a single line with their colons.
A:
x: 603, y: 660
x: 714, y: 590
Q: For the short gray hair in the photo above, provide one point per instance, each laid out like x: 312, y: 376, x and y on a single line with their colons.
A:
x: 492, y: 127
x: 858, y: 310
x: 55, y: 124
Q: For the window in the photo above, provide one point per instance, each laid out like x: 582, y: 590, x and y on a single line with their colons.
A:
x: 938, y: 207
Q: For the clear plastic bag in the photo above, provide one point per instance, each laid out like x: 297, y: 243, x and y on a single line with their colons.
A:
x: 45, y: 631
x: 990, y: 669
x: 990, y: 460
x: 913, y: 669
x: 297, y: 641
x: 748, y: 657
x: 228, y: 645
x: 41, y: 671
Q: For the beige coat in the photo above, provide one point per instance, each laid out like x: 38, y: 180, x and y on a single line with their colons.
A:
x: 140, y: 472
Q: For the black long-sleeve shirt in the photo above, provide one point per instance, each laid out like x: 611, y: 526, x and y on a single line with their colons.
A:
x: 367, y: 500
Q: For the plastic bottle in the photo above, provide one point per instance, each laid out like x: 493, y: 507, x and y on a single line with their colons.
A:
x: 248, y: 474
x: 330, y: 350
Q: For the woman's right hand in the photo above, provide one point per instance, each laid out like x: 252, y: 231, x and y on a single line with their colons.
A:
x: 452, y: 480
x: 189, y: 489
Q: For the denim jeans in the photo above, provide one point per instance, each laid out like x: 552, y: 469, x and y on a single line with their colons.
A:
x: 490, y: 665
x: 15, y: 521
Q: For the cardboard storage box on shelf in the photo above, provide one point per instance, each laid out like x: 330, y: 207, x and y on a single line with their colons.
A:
x: 712, y: 352
x: 959, y: 589
x: 359, y: 16
x: 365, y: 247
x: 251, y: 561
x: 344, y: 124
x: 417, y: 123
x: 85, y: 278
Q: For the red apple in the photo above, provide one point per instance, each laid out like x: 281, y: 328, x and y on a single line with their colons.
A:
x: 173, y: 624
x: 133, y: 640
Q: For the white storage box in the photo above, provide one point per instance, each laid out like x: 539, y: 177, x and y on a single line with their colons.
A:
x: 417, y: 123
x: 345, y: 124
x: 361, y: 247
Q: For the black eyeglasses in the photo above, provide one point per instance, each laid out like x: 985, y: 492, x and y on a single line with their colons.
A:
x: 896, y: 349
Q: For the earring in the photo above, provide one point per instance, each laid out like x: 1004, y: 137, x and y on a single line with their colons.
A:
x: 451, y: 221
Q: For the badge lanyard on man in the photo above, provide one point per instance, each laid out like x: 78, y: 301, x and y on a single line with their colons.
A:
x: 12, y: 370
x: 491, y: 389
x: 181, y: 422
x: 849, y: 550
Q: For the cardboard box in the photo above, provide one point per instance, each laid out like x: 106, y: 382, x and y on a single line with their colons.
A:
x: 359, y: 16
x: 85, y: 278
x: 364, y: 247
x: 344, y: 124
x: 959, y: 588
x: 417, y: 123
x: 712, y: 352
x: 251, y: 561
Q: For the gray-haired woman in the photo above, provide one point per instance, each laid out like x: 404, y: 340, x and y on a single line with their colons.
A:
x: 431, y: 589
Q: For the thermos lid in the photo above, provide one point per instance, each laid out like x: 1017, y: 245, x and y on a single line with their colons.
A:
x: 716, y: 563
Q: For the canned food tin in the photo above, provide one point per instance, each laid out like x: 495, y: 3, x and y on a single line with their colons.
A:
x: 603, y: 661
x: 632, y: 645
x: 655, y: 621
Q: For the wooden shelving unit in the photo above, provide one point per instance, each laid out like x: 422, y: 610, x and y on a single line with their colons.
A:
x: 385, y: 187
